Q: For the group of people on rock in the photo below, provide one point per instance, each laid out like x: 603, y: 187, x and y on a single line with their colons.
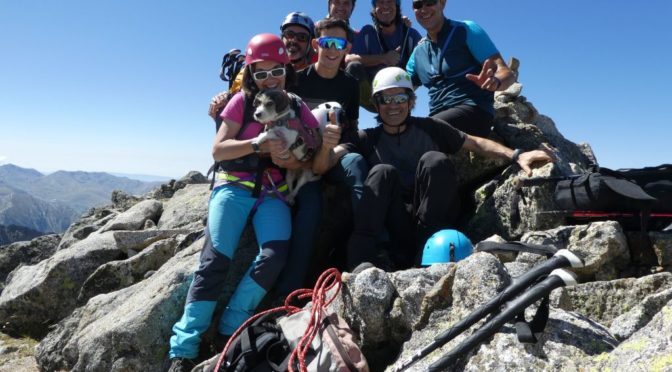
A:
x: 402, y: 184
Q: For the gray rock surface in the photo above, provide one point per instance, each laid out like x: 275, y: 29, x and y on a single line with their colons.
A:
x: 136, y: 216
x: 135, y: 324
x: 26, y: 253
x: 602, y: 246
x: 606, y: 301
x: 27, y: 304
x: 187, y: 208
x: 662, y: 247
x: 91, y: 221
x: 116, y: 275
x: 649, y: 349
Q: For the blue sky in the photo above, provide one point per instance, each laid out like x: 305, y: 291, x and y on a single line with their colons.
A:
x: 123, y: 86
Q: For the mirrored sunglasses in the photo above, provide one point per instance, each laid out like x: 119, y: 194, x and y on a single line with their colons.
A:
x: 383, y: 99
x: 263, y: 75
x: 298, y: 36
x: 327, y: 42
x: 422, y: 3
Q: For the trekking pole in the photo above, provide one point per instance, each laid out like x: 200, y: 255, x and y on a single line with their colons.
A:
x: 558, y: 278
x: 562, y: 258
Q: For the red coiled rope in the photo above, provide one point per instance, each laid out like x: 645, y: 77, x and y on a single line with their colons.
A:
x: 328, y: 279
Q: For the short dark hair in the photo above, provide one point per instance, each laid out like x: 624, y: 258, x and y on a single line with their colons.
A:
x: 397, y: 18
x: 327, y: 23
x: 250, y: 89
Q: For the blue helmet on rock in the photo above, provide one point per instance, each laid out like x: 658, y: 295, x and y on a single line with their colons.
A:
x: 446, y: 246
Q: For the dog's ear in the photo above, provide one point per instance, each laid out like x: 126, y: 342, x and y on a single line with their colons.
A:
x: 257, y: 99
x: 281, y: 100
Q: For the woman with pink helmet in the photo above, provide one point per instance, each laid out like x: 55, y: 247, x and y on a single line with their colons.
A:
x: 251, y: 189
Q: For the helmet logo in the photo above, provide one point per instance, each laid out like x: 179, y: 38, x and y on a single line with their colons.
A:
x: 281, y: 51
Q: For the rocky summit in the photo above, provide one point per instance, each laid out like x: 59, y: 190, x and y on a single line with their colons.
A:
x: 104, y: 295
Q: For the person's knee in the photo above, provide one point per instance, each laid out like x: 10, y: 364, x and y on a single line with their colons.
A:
x: 270, y: 262
x: 437, y: 161
x: 356, y: 69
x: 382, y: 172
x: 355, y: 168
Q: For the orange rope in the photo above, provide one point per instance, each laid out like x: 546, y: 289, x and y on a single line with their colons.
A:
x: 329, y: 279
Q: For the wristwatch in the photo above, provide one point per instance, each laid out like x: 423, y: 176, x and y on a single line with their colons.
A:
x: 255, y: 146
x: 516, y: 155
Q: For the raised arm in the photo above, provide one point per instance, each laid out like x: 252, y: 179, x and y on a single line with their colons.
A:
x: 330, y: 151
x: 495, y: 75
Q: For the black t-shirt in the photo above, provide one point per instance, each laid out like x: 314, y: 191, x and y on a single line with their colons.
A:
x: 343, y: 88
x: 404, y: 150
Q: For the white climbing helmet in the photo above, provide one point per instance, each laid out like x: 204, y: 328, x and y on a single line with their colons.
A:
x: 391, y: 77
x: 322, y: 111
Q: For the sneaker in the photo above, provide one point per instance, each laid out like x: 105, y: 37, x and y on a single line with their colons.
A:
x: 181, y: 365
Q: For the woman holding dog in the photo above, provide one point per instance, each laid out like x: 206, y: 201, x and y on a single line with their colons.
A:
x: 233, y: 201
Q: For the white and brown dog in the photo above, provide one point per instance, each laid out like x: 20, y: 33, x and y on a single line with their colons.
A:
x: 274, y: 109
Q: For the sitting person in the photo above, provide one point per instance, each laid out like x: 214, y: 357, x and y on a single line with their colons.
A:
x: 411, y: 188
x: 237, y: 197
x: 461, y: 68
x: 323, y: 82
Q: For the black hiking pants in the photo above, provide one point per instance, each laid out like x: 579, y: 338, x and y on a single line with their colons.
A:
x: 409, y: 217
x: 469, y: 119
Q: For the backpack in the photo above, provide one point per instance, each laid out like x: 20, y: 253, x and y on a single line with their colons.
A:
x: 287, y: 338
x: 655, y: 181
x: 261, y: 346
x: 605, y: 191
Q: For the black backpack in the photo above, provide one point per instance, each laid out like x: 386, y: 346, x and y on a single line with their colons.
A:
x: 260, y: 347
x: 656, y: 181
x: 604, y: 191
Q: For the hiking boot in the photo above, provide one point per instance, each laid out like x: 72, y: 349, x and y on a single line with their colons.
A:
x: 181, y: 365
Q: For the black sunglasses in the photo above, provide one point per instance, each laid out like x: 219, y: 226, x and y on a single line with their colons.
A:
x: 299, y: 36
x: 263, y: 75
x: 422, y: 3
x: 400, y: 98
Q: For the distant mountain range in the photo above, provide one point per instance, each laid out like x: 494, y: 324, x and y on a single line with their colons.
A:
x: 11, y: 234
x: 49, y: 203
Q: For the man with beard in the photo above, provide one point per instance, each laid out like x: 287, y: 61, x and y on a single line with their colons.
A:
x: 297, y: 31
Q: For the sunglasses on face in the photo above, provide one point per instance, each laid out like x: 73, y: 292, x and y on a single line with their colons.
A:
x: 417, y: 5
x: 298, y: 36
x: 383, y: 99
x: 263, y: 75
x: 326, y: 42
